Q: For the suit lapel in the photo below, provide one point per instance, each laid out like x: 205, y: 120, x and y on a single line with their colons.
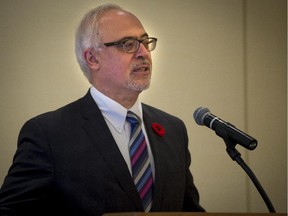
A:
x: 157, y: 144
x: 98, y: 131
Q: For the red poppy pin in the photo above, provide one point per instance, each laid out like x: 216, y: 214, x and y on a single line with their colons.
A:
x: 158, y: 129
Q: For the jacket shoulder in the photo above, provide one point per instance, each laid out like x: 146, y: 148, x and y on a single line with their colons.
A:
x: 157, y: 113
x: 66, y: 114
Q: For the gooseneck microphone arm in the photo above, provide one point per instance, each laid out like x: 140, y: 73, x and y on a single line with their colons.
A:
x: 232, y: 136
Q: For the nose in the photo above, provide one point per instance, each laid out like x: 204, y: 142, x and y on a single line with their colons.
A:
x: 142, y: 52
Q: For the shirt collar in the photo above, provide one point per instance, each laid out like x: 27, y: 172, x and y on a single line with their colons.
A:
x: 112, y: 111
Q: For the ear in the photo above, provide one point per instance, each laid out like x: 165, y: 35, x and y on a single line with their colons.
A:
x: 91, y: 59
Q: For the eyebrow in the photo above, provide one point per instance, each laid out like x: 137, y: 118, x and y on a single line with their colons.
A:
x: 141, y: 37
x: 144, y: 35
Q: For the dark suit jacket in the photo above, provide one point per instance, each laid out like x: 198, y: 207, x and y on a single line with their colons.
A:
x: 67, y: 163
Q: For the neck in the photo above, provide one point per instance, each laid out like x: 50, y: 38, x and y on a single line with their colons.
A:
x: 127, y: 99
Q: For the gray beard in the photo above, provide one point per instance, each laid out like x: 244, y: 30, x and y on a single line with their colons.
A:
x: 130, y: 84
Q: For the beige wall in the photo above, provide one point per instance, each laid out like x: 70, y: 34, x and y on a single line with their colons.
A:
x: 227, y: 55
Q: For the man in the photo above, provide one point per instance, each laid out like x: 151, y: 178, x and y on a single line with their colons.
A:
x: 76, y: 160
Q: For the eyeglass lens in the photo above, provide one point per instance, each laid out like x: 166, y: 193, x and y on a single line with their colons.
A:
x: 132, y: 45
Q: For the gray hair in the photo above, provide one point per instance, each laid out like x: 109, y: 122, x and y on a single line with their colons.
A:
x: 87, y: 34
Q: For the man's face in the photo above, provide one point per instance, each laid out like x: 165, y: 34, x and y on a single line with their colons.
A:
x: 120, y: 72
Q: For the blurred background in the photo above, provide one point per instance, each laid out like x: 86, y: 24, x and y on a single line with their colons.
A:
x: 227, y: 55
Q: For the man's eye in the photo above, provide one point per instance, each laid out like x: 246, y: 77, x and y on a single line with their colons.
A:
x: 129, y: 44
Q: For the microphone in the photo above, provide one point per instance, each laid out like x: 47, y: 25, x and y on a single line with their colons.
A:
x: 203, y: 116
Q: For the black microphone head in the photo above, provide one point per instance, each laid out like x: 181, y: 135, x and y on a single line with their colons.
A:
x: 199, y: 115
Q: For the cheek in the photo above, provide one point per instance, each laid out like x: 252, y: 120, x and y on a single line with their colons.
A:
x: 118, y: 71
x: 121, y: 66
x: 117, y: 64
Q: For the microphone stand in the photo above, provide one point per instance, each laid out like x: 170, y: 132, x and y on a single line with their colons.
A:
x: 236, y: 156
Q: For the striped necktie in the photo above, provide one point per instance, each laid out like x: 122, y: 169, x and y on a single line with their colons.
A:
x: 141, y: 168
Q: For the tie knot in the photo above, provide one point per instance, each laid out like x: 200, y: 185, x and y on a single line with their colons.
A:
x: 133, y: 119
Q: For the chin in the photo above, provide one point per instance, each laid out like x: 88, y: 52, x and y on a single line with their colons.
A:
x: 138, y: 86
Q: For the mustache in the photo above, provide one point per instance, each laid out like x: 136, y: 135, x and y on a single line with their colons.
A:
x: 141, y: 63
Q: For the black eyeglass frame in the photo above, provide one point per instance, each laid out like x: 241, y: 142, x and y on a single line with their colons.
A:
x: 122, y: 42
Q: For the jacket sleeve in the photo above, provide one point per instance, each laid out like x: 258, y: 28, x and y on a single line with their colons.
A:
x: 29, y: 178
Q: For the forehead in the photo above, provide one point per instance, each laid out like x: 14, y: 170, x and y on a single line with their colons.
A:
x: 116, y: 24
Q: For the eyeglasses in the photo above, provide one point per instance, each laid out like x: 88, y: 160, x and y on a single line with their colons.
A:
x: 131, y: 45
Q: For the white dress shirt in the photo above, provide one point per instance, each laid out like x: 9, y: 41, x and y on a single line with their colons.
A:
x: 115, y: 117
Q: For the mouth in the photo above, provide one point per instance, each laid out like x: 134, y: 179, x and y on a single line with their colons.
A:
x: 142, y: 68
